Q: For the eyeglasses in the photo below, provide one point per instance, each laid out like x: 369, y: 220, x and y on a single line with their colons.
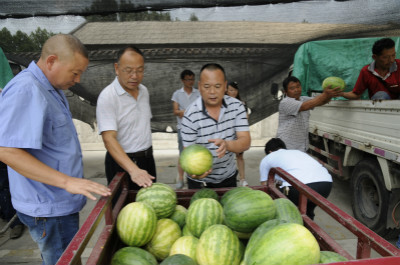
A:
x: 130, y: 71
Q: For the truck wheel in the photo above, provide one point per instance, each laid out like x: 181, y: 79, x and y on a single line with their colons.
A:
x: 370, y: 198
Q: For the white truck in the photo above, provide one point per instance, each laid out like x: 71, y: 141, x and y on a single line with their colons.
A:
x: 357, y: 140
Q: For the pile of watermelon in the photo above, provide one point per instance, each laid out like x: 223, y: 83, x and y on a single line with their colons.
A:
x: 243, y: 227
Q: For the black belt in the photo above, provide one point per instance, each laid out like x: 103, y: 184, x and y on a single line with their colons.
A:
x: 145, y: 153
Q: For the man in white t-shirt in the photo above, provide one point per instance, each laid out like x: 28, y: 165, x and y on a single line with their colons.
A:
x: 181, y: 99
x: 298, y: 164
x: 123, y: 117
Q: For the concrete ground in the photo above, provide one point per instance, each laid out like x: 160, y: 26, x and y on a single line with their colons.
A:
x: 24, y: 251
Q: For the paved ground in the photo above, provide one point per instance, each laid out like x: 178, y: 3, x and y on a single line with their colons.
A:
x: 24, y: 251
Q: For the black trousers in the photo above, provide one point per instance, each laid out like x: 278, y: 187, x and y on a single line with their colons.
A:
x: 323, y: 188
x: 7, y: 210
x: 145, y: 162
x: 229, y: 182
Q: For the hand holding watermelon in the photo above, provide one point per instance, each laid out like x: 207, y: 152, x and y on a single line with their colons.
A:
x: 196, y: 160
x: 334, y: 82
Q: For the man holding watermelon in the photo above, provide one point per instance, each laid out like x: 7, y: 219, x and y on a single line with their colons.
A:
x: 219, y: 123
x: 294, y: 112
x: 382, y: 77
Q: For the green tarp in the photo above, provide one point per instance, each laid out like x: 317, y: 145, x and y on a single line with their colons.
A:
x: 5, y: 70
x: 316, y: 60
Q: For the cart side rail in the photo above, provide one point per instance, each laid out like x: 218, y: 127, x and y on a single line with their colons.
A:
x: 367, y: 239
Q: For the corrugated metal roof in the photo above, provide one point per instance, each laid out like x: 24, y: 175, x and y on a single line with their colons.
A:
x: 154, y: 32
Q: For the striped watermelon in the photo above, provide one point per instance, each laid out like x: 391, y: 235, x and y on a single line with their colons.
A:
x: 247, y: 210
x: 330, y: 257
x: 287, y: 211
x: 136, y: 224
x: 185, y: 245
x: 202, y: 214
x: 218, y: 245
x: 196, y: 159
x: 133, y: 256
x: 230, y: 193
x: 166, y: 234
x: 179, y: 215
x: 287, y: 243
x: 161, y: 197
x: 204, y: 193
x: 259, y: 232
x: 186, y: 231
x: 178, y: 259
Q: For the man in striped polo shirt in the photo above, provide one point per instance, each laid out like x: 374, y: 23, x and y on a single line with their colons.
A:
x: 219, y: 123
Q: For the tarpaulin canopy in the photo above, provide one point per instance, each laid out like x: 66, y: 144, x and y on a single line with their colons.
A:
x: 316, y: 60
x: 27, y: 8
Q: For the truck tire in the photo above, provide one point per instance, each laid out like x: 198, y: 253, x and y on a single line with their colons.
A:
x: 370, y: 198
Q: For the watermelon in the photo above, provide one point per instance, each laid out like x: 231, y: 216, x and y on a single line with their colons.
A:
x: 247, y: 210
x: 330, y: 257
x: 133, y: 256
x: 185, y: 245
x: 287, y: 211
x: 161, y: 197
x: 287, y: 243
x: 218, y: 245
x: 136, y: 224
x: 196, y: 159
x: 334, y: 82
x: 241, y: 235
x: 179, y: 215
x: 178, y: 259
x: 166, y: 234
x: 259, y: 232
x: 202, y: 214
x: 186, y: 231
x: 204, y: 193
x: 230, y: 193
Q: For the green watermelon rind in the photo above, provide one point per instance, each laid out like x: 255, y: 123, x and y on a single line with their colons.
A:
x: 167, y: 232
x: 178, y: 259
x: 218, y: 245
x: 179, y: 215
x: 136, y: 224
x: 202, y: 214
x: 288, y: 242
x: 204, y: 193
x: 334, y: 82
x: 133, y: 256
x: 247, y: 210
x: 231, y: 193
x: 185, y: 245
x: 161, y: 197
x: 196, y: 159
x: 287, y: 211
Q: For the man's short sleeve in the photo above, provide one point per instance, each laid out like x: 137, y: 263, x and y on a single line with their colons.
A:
x: 22, y: 117
x: 106, y: 112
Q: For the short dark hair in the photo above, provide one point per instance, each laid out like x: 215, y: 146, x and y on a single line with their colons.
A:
x: 186, y: 73
x: 289, y: 79
x: 273, y: 145
x: 128, y: 48
x: 213, y: 67
x: 381, y: 44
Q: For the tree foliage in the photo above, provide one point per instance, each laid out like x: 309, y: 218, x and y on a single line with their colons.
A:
x: 22, y: 42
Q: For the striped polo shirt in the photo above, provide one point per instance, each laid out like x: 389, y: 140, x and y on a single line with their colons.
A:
x: 293, y: 124
x: 198, y: 127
